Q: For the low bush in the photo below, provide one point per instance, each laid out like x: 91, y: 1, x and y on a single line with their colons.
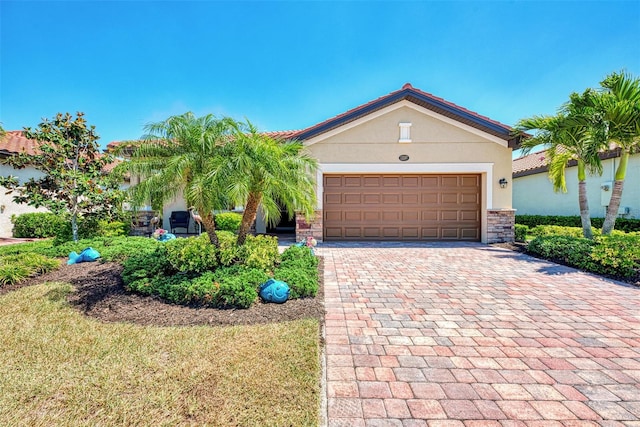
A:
x: 113, y: 228
x: 557, y: 230
x: 299, y: 270
x: 36, y: 225
x: 228, y: 221
x: 192, y: 254
x: 115, y: 249
x: 611, y: 255
x: 622, y: 224
x: 521, y: 232
x: 259, y: 252
x: 18, y: 267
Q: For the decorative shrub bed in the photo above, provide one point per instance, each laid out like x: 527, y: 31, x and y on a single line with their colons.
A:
x: 191, y: 271
x: 622, y: 224
x: 617, y: 255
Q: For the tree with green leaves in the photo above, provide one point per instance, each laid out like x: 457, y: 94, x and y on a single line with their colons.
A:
x: 618, y: 103
x: 75, y: 182
x: 257, y: 170
x: 574, y: 133
x: 174, y: 158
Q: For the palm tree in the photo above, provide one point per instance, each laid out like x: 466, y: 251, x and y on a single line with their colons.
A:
x: 619, y: 104
x: 263, y: 171
x: 175, y: 156
x: 568, y: 136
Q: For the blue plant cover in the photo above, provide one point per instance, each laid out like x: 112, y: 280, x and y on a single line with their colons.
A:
x: 87, y: 255
x: 274, y: 291
x: 166, y: 237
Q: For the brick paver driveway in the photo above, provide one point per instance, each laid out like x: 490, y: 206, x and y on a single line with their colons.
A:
x: 473, y: 335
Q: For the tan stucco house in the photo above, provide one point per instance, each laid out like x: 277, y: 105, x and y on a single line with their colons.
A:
x: 533, y: 192
x: 406, y: 166
x: 410, y: 166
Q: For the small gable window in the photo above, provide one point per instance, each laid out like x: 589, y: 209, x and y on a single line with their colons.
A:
x: 405, y: 132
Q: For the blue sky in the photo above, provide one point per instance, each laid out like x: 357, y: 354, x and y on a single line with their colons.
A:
x: 291, y: 64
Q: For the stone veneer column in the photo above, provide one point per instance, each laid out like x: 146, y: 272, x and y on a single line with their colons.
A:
x: 304, y: 229
x: 501, y: 225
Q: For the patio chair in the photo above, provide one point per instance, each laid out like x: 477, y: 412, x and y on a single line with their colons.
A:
x: 179, y: 219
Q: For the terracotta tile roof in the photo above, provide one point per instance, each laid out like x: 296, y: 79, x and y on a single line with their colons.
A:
x: 424, y: 99
x: 534, y: 162
x: 15, y: 142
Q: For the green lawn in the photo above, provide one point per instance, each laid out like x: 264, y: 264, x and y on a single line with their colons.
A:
x: 58, y: 367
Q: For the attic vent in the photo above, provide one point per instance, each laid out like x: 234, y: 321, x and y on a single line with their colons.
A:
x: 405, y: 132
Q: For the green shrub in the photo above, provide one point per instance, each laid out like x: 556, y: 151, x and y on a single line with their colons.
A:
x: 617, y: 255
x: 145, y: 266
x: 622, y: 224
x: 238, y: 286
x: 302, y: 282
x: 611, y: 255
x: 299, y: 269
x: 556, y: 230
x: 521, y: 232
x: 229, y: 251
x: 36, y: 225
x: 115, y: 249
x: 192, y: 254
x: 259, y: 252
x: 113, y: 228
x: 228, y: 221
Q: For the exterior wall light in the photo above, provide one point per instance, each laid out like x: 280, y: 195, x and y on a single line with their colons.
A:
x: 503, y: 182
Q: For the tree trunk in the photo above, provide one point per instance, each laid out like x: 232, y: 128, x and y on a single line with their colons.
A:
x: 74, y: 219
x: 584, y: 210
x: 209, y: 223
x: 249, y: 215
x: 616, y: 195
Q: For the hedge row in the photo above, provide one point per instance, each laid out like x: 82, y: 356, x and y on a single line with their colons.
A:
x: 622, y: 224
x: 616, y: 255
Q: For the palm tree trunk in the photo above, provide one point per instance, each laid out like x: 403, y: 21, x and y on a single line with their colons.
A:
x: 584, y: 210
x: 583, y: 202
x: 249, y: 215
x: 616, y: 195
x: 210, y: 225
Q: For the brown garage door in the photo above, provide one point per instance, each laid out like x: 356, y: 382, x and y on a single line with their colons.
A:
x: 401, y: 207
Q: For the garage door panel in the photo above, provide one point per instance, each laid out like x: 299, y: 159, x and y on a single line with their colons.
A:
x: 391, y: 216
x: 352, y: 181
x: 371, y: 199
x: 429, y: 198
x: 391, y: 181
x: 371, y: 216
x: 402, y: 207
x: 353, y: 216
x: 331, y: 216
x: 352, y: 198
x: 449, y: 181
x: 469, y: 198
x: 410, y: 199
x: 449, y: 215
x: 391, y: 198
x: 449, y: 198
x: 371, y: 181
x: 333, y: 181
x: 390, y: 232
x: 371, y: 232
x: 332, y: 199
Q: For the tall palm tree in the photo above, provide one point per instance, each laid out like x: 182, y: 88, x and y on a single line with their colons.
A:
x: 619, y: 104
x: 175, y: 156
x: 263, y: 171
x: 568, y: 136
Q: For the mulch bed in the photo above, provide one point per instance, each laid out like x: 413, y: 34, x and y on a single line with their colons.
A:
x: 100, y: 293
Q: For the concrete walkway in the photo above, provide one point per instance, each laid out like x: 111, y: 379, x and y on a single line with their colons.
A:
x: 473, y: 335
